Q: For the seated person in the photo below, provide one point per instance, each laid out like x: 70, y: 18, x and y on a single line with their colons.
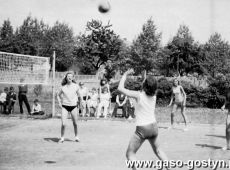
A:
x: 37, y: 110
x: 3, y: 101
x: 93, y: 102
x: 130, y: 108
x: 120, y: 103
x: 11, y: 99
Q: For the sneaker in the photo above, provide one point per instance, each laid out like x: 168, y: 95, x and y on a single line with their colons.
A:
x: 130, y: 118
x: 77, y: 139
x: 61, y: 140
x: 225, y: 148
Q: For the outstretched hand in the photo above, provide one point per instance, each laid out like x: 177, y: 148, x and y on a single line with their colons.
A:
x: 129, y: 71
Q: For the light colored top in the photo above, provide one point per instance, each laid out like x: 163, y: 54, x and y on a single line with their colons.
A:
x: 94, y: 97
x: 104, y: 97
x: 3, y: 97
x: 178, y: 94
x: 37, y: 108
x: 83, y: 91
x: 69, y: 94
x: 145, y: 109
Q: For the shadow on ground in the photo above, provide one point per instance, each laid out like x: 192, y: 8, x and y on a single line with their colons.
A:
x: 209, y: 146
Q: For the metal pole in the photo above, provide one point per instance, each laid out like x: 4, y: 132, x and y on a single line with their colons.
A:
x: 53, y: 84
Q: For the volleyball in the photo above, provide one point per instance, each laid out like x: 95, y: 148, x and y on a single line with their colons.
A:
x: 104, y: 7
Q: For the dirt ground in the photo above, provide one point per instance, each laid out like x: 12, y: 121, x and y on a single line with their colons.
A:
x: 29, y: 144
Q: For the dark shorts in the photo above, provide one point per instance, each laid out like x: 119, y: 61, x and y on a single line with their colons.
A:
x: 148, y: 131
x: 69, y: 108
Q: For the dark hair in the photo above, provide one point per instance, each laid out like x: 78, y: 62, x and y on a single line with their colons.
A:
x: 176, y: 79
x: 150, y: 85
x: 64, y: 81
x: 6, y: 89
x: 36, y: 100
x: 102, y: 81
x: 11, y: 88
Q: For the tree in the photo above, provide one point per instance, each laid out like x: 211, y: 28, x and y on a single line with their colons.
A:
x: 30, y: 37
x: 217, y: 52
x: 61, y: 39
x: 144, y: 49
x: 99, y: 45
x: 6, y: 37
x: 185, y: 56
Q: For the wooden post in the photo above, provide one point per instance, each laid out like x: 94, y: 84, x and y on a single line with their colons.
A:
x: 53, y: 84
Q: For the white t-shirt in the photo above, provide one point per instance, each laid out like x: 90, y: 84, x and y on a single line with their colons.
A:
x: 83, y: 91
x: 145, y: 109
x: 37, y: 108
x: 69, y: 94
x: 3, y: 97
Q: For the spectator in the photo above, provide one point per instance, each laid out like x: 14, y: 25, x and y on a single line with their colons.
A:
x: 104, y: 98
x: 11, y: 99
x: 22, y: 97
x: 130, y: 108
x: 120, y: 103
x: 37, y: 109
x: 84, y: 93
x: 93, y: 102
x: 3, y: 101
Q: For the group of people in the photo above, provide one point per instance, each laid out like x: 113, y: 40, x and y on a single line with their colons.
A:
x: 97, y: 102
x: 70, y: 95
x: 8, y: 98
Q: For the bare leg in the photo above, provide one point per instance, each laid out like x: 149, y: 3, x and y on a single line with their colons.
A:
x: 134, y: 144
x: 157, y: 150
x: 174, y: 108
x: 64, y: 115
x: 184, y: 115
x: 74, y: 119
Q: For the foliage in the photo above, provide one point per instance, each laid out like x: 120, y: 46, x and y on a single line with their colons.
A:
x: 6, y: 37
x: 38, y: 90
x: 98, y: 46
x: 144, y: 49
x: 217, y: 53
x: 183, y: 55
x: 61, y: 39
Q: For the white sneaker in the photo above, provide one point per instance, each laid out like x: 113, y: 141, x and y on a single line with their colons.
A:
x: 77, y: 139
x: 61, y: 140
x: 130, y: 118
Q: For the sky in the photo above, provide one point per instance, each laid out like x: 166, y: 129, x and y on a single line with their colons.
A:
x: 203, y: 17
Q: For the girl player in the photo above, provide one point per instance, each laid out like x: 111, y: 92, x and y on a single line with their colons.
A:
x: 178, y: 98
x: 227, y: 106
x: 67, y: 99
x: 146, y: 125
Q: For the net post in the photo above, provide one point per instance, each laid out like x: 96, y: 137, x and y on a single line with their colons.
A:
x: 53, y: 84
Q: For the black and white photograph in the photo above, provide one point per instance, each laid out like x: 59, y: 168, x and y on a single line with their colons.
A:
x: 114, y: 84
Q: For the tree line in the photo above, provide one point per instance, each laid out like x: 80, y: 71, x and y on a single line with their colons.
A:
x: 98, y: 44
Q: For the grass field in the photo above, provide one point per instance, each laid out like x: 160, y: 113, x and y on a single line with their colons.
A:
x: 27, y: 143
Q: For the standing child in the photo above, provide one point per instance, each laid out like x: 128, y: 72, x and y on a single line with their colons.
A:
x: 146, y: 124
x: 3, y: 101
x: 37, y: 109
x: 11, y: 99
x: 227, y: 106
x: 93, y: 102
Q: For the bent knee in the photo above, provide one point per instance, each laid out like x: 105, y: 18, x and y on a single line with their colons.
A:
x: 129, y: 154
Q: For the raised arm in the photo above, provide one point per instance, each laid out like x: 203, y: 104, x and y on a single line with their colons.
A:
x: 121, y: 87
x: 171, y: 100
